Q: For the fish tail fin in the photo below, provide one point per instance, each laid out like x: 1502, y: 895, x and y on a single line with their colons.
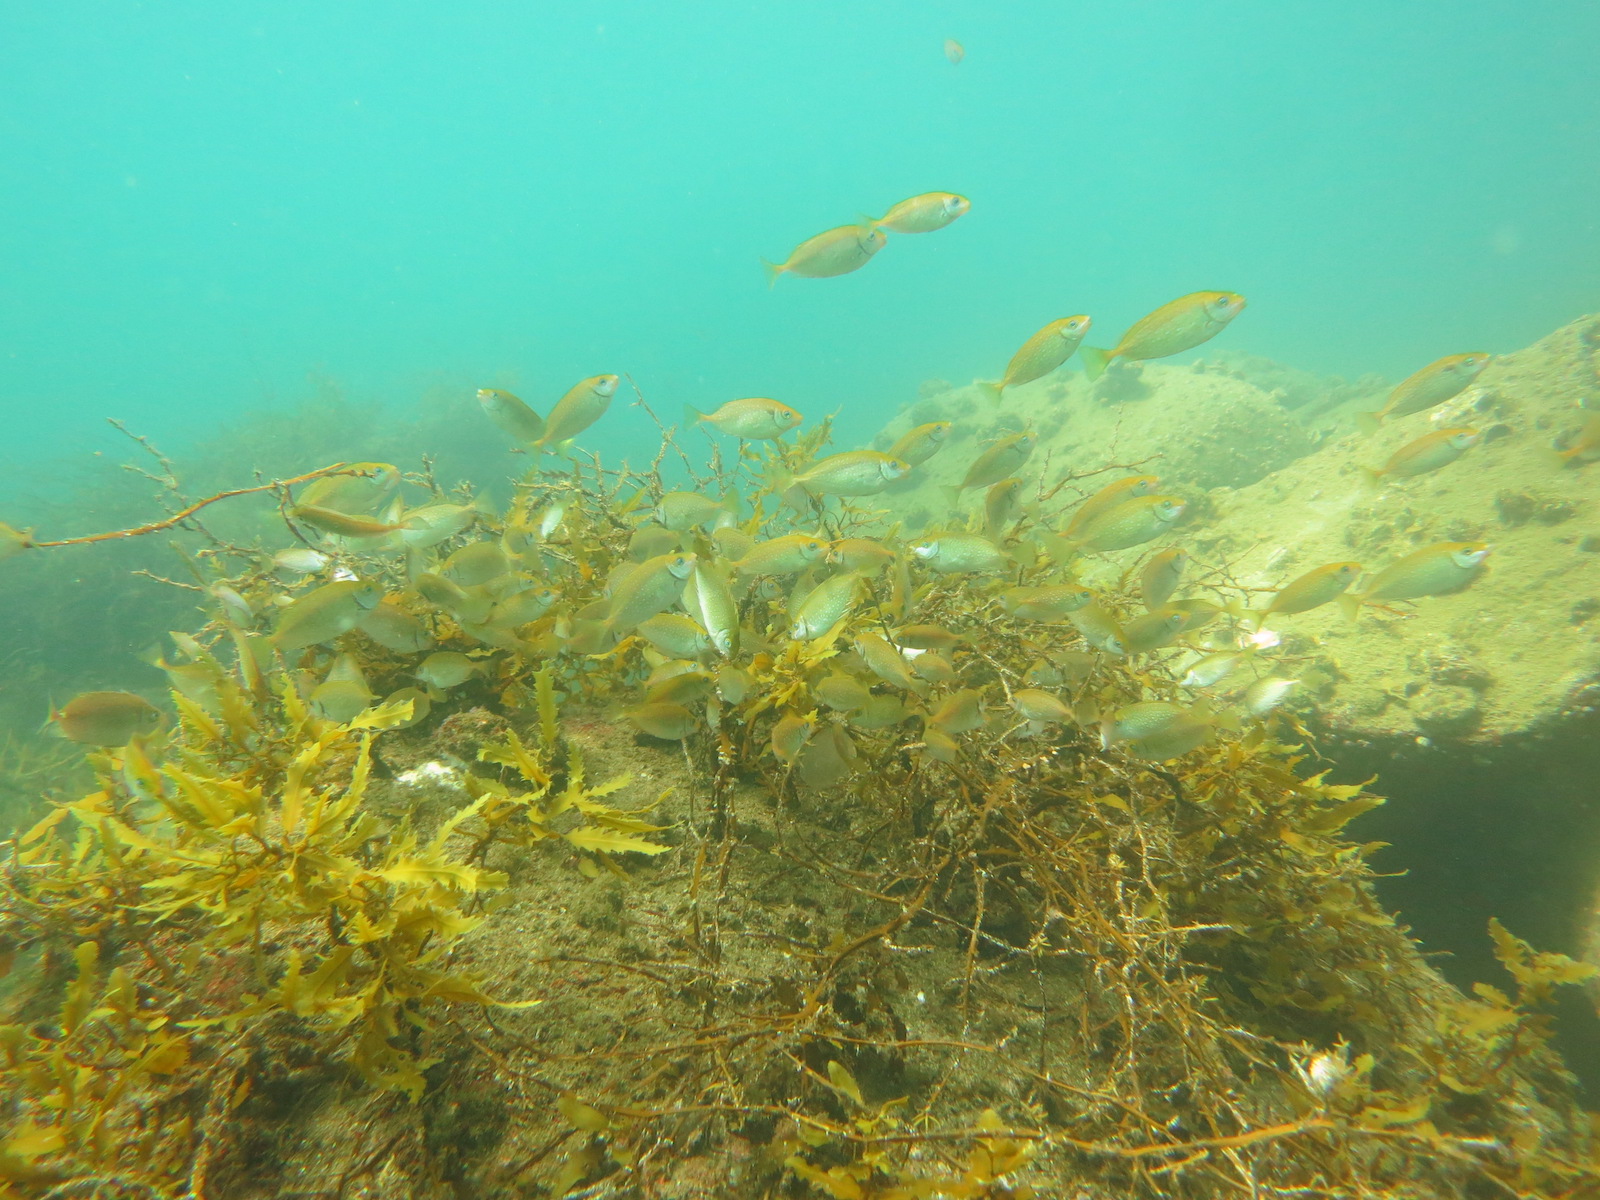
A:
x: 1250, y: 618
x: 1228, y: 718
x: 952, y: 493
x: 692, y: 416
x: 1061, y: 551
x: 870, y: 223
x: 1095, y: 361
x: 1350, y: 606
x: 773, y: 270
x: 990, y: 388
x: 1369, y: 422
x: 1372, y: 476
x: 590, y: 637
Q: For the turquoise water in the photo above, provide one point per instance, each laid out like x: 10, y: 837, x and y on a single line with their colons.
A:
x: 208, y: 205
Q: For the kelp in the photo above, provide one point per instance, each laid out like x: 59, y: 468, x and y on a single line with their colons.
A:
x: 893, y: 941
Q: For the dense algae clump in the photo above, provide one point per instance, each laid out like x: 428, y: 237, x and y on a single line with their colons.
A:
x: 890, y: 931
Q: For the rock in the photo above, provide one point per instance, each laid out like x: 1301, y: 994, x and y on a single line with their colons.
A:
x: 1446, y: 711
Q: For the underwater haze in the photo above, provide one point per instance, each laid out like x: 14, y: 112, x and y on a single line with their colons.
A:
x: 210, y: 204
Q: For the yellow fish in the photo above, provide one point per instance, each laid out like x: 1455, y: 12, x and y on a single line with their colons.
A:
x: 1041, y: 354
x: 14, y: 541
x: 923, y: 214
x: 584, y: 404
x: 1179, y: 325
x: 833, y: 252
x: 515, y: 418
x: 1434, y: 384
x: 1426, y: 453
x: 1435, y: 570
x: 105, y: 718
x: 755, y: 418
x: 1130, y: 487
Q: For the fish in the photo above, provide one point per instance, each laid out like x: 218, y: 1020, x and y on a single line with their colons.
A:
x: 683, y: 511
x: 1176, y: 326
x: 1041, y: 354
x: 707, y: 598
x: 14, y: 541
x: 1130, y: 487
x: 1576, y: 449
x: 105, y: 718
x: 343, y: 693
x: 361, y: 487
x: 886, y: 662
x: 652, y: 587
x: 1099, y: 628
x: 1211, y: 669
x: 927, y: 637
x: 786, y: 555
x: 324, y: 613
x: 939, y: 746
x: 1435, y: 383
x: 880, y: 712
x: 836, y: 251
x: 445, y: 669
x: 472, y: 607
x: 920, y: 443
x: 1000, y: 504
x: 513, y: 417
x: 827, y: 759
x: 860, y: 554
x: 343, y: 524
x: 675, y: 634
x: 1040, y: 708
x: 1266, y: 694
x: 1318, y: 586
x: 1127, y: 524
x: 923, y: 214
x: 851, y: 473
x: 475, y: 563
x: 734, y: 683
x: 648, y: 541
x: 960, y: 712
x: 999, y: 461
x: 1152, y: 630
x: 421, y: 705
x: 663, y: 719
x: 234, y: 606
x: 731, y: 543
x: 825, y: 606
x: 844, y: 693
x: 1144, y: 719
x: 1161, y: 575
x: 300, y: 560
x: 931, y: 665
x: 393, y: 628
x: 1189, y: 732
x: 790, y: 734
x: 959, y: 553
x: 521, y: 607
x: 1051, y: 602
x: 753, y: 419
x: 1435, y: 570
x: 1426, y: 453
x: 429, y: 524
x: 584, y: 404
x: 954, y: 51
x: 683, y: 687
